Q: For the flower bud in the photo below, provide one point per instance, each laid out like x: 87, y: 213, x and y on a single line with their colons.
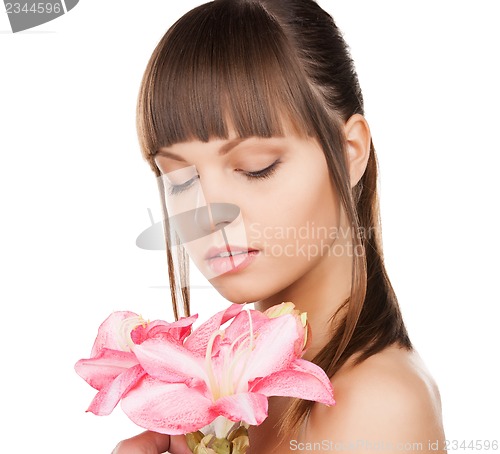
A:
x: 301, y: 318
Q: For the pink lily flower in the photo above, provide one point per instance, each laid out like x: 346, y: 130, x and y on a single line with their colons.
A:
x: 219, y: 377
x: 113, y: 368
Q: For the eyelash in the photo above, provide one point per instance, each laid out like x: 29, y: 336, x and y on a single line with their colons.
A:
x: 178, y: 188
x: 263, y: 173
x: 257, y: 175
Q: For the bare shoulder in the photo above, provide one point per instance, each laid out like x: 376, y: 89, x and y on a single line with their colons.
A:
x: 390, y: 399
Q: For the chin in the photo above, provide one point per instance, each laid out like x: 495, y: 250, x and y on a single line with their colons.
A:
x: 237, y: 294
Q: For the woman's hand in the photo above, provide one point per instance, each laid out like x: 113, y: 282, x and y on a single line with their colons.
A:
x: 153, y: 443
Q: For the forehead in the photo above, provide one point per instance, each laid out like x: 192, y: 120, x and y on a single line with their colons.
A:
x: 223, y: 147
x: 198, y: 151
x: 225, y: 143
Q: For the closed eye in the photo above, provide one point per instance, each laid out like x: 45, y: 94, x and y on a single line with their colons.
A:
x: 267, y: 172
x: 175, y: 189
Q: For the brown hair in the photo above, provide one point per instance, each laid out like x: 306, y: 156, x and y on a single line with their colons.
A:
x: 257, y: 66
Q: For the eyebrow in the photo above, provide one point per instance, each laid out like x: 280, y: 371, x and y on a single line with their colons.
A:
x: 223, y: 150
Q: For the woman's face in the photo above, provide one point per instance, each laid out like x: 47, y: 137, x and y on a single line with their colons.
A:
x: 267, y: 208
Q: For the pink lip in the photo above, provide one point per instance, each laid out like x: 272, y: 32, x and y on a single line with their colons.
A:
x: 213, y: 252
x: 242, y: 257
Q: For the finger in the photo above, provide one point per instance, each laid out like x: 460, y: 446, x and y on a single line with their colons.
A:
x: 162, y: 442
x: 144, y: 443
x: 178, y: 445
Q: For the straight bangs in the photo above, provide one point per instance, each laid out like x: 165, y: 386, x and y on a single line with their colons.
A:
x: 225, y: 67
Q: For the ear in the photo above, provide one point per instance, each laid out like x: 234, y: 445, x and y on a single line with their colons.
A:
x: 358, y: 137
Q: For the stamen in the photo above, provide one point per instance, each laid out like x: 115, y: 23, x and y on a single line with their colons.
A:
x: 212, y: 382
x: 234, y: 356
x: 243, y: 349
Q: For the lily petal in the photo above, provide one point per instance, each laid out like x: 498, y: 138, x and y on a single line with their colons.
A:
x: 241, y: 324
x: 107, y: 332
x: 248, y: 407
x: 302, y: 365
x: 108, y: 397
x: 305, y: 381
x: 179, y: 330
x: 197, y: 342
x: 100, y: 371
x: 169, y: 361
x: 171, y: 408
x: 275, y: 347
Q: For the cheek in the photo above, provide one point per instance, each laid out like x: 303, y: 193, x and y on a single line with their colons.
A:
x: 319, y: 201
x: 309, y: 202
x: 297, y: 211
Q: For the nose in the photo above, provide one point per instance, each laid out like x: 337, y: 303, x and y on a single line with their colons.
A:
x: 205, y: 211
x: 199, y: 222
x: 215, y: 216
x: 215, y: 211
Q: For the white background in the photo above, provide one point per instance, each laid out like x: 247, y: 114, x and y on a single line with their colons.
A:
x: 74, y: 194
